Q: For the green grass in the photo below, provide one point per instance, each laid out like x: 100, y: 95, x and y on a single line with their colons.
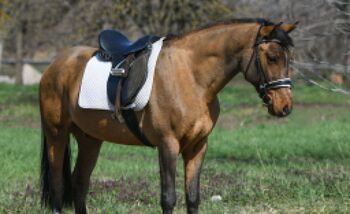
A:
x: 257, y: 163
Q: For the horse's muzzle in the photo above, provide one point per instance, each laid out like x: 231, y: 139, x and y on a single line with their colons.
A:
x: 279, y: 102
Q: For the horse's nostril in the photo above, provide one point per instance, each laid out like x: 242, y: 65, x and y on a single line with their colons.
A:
x: 267, y: 100
x: 285, y: 110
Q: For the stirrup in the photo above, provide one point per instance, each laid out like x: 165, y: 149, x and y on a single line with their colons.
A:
x: 118, y: 71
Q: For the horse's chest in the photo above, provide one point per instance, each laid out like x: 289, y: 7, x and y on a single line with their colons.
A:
x: 198, y: 129
x: 200, y: 122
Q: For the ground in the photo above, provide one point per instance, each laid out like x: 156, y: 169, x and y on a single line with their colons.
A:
x: 255, y: 162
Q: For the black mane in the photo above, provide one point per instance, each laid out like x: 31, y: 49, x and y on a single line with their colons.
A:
x: 277, y: 34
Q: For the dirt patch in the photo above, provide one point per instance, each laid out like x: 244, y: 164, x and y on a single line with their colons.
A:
x: 136, y: 156
x: 29, y: 192
x: 126, y: 189
x: 29, y: 198
x: 20, y: 122
x: 221, y: 183
x: 252, y: 119
x: 22, y: 114
x: 329, y: 177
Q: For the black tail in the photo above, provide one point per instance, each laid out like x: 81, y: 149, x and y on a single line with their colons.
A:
x: 45, y: 176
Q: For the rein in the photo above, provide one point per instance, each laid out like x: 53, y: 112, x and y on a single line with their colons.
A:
x: 264, y: 84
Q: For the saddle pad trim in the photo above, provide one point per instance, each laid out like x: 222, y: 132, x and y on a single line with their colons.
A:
x: 142, y: 97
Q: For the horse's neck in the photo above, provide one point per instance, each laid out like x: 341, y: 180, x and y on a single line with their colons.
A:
x: 216, y: 55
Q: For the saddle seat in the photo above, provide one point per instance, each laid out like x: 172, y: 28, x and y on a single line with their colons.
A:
x: 117, y: 46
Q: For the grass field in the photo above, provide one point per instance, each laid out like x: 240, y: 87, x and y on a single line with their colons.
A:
x: 256, y: 163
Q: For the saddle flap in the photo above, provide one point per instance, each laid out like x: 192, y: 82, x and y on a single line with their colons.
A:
x: 134, y: 81
x: 136, y: 78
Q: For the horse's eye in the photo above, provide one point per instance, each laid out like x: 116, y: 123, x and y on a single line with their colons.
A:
x: 271, y: 60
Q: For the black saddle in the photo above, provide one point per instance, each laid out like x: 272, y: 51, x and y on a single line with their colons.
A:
x: 117, y: 46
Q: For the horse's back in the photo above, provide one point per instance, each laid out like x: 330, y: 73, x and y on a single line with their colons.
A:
x: 66, y: 69
x: 69, y: 59
x: 61, y: 80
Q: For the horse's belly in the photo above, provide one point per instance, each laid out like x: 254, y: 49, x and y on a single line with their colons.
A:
x: 101, y: 125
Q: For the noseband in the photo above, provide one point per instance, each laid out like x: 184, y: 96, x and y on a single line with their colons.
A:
x: 264, y: 84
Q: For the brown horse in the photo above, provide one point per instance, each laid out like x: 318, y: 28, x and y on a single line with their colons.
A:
x: 181, y: 113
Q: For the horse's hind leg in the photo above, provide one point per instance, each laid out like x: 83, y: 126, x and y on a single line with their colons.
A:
x: 88, y: 151
x: 55, y: 174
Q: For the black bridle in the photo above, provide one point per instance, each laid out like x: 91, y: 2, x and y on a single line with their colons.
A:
x: 265, y: 84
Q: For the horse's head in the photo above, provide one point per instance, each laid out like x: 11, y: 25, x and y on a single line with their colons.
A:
x: 267, y: 67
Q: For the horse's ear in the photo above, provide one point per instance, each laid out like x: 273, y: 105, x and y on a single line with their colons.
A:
x: 267, y: 30
x: 289, y: 27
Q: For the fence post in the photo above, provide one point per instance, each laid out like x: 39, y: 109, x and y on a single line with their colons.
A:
x: 19, y: 53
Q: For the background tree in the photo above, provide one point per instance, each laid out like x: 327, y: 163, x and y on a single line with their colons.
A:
x: 26, y: 27
x: 4, y: 17
x: 55, y: 24
x: 46, y: 27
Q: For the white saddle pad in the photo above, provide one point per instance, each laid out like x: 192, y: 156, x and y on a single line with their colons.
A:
x: 93, y: 89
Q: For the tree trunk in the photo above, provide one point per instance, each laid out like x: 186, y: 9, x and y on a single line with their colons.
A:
x: 1, y: 48
x: 19, y: 54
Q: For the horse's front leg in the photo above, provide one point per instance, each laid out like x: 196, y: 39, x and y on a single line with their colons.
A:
x: 193, y: 159
x: 168, y: 153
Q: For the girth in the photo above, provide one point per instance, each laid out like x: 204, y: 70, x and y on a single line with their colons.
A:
x: 127, y: 116
x: 120, y: 71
